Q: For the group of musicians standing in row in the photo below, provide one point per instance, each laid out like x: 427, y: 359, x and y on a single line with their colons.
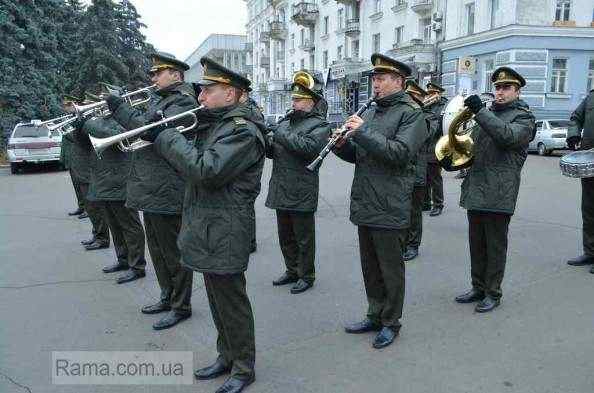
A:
x: 196, y: 191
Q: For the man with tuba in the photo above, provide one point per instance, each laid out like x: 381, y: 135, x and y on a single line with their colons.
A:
x: 107, y: 188
x: 383, y: 146
x: 434, y: 190
x: 223, y: 170
x: 581, y: 131
x: 156, y: 188
x: 415, y: 232
x: 293, y: 190
x: 490, y: 189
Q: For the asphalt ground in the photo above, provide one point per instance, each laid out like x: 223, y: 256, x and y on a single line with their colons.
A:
x: 54, y: 297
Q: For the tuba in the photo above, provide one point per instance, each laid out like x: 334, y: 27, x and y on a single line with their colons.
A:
x: 454, y: 149
x: 304, y: 79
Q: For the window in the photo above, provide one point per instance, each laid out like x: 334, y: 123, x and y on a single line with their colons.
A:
x: 325, y: 59
x: 559, y: 76
x: 562, y: 10
x: 302, y: 36
x: 340, y: 19
x: 292, y: 68
x: 339, y: 52
x: 293, y: 41
x: 590, y: 83
x: 399, y: 2
x: 489, y: 68
x: 355, y: 49
x: 494, y: 13
x: 398, y: 34
x: 539, y: 126
x: 425, y: 29
x: 302, y: 64
x: 377, y: 6
x: 470, y: 18
x: 326, y: 23
x: 312, y: 61
x: 375, y: 39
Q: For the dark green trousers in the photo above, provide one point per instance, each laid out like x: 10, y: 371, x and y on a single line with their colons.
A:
x: 174, y: 279
x: 77, y: 192
x: 383, y: 273
x: 588, y: 215
x: 434, y: 192
x: 127, y: 233
x: 232, y: 314
x: 96, y: 215
x: 415, y: 232
x: 487, y: 235
x: 297, y: 239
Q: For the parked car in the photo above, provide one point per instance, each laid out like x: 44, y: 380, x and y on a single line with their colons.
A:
x: 550, y: 135
x: 32, y: 143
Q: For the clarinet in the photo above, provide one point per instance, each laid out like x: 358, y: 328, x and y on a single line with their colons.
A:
x: 335, y: 138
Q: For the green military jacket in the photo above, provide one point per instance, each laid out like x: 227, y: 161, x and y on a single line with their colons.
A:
x: 153, y: 185
x: 80, y: 159
x: 296, y: 142
x: 108, y: 175
x: 222, y: 172
x: 422, y: 156
x: 383, y: 151
x: 436, y: 128
x: 66, y: 150
x: 583, y: 119
x: 500, y: 150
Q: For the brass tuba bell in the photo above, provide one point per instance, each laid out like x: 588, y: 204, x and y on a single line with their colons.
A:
x: 304, y: 79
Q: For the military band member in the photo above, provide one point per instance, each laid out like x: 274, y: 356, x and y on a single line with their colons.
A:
x: 156, y: 188
x: 490, y: 189
x: 434, y: 191
x: 65, y: 160
x: 293, y: 190
x: 581, y: 131
x: 107, y: 188
x: 223, y: 172
x: 383, y: 146
x: 415, y: 232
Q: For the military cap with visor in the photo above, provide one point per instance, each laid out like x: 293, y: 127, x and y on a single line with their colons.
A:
x: 214, y: 73
x: 434, y: 88
x: 506, y: 75
x: 415, y: 91
x: 383, y: 64
x: 164, y: 60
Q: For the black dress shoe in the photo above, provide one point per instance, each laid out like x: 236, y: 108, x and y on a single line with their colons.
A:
x: 284, y: 280
x: 301, y: 286
x: 235, y: 385
x: 410, y: 254
x: 385, y: 337
x: 96, y: 246
x: 471, y: 296
x: 582, y: 260
x: 116, y: 267
x: 130, y: 275
x: 76, y: 212
x: 89, y: 241
x: 83, y: 215
x: 155, y: 308
x: 362, y: 327
x: 213, y: 371
x: 436, y: 211
x: 170, y: 320
x: 487, y: 304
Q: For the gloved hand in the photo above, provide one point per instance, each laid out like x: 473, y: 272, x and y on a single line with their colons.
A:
x: 473, y: 103
x: 573, y: 141
x: 113, y: 102
x: 152, y: 134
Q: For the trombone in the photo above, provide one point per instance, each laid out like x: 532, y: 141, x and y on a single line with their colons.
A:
x: 121, y: 140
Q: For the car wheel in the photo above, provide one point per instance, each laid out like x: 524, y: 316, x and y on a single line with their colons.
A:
x: 14, y: 168
x: 542, y: 150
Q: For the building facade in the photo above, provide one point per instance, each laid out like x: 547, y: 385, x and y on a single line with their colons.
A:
x: 227, y: 49
x: 456, y: 42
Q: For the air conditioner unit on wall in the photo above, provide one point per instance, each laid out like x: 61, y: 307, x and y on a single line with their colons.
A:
x: 437, y: 16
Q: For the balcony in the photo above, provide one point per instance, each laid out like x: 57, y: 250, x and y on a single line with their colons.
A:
x: 265, y: 61
x: 274, y: 3
x: 264, y: 36
x: 421, y: 6
x: 347, y: 2
x: 307, y: 46
x: 262, y: 87
x: 278, y: 31
x: 415, y: 51
x: 248, y: 46
x: 248, y: 69
x: 277, y: 85
x: 352, y: 28
x: 305, y: 14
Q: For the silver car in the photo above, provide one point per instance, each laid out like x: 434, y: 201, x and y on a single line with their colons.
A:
x: 550, y: 135
x: 32, y: 143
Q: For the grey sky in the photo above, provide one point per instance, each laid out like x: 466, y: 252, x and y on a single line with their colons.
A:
x: 179, y: 26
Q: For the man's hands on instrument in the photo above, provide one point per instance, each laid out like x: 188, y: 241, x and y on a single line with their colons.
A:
x: 352, y: 124
x: 573, y: 142
x: 113, y: 101
x: 474, y: 103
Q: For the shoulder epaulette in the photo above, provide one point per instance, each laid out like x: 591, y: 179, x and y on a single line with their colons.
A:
x: 239, y: 122
x: 524, y: 109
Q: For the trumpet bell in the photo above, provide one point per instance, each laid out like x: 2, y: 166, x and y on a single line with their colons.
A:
x: 305, y: 79
x: 451, y: 159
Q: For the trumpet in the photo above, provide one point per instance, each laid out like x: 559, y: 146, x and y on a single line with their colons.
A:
x: 121, y: 140
x: 335, y: 138
x: 79, y: 110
